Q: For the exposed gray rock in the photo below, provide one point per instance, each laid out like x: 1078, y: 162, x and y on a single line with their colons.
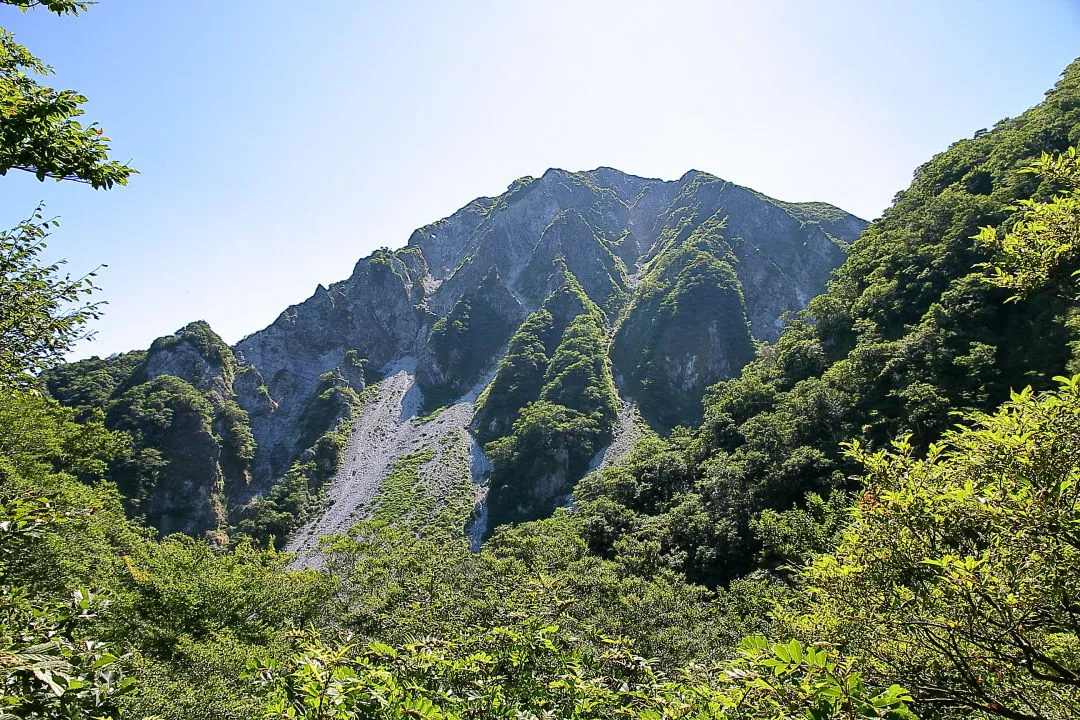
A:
x: 185, y: 360
x: 388, y: 429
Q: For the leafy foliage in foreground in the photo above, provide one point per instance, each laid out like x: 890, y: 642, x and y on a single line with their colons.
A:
x: 49, y: 670
x: 87, y: 598
x: 39, y: 132
x: 185, y: 618
x: 958, y: 572
x: 947, y: 581
x: 42, y: 314
x: 537, y: 671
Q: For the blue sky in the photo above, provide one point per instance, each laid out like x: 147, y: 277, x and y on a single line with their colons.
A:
x: 279, y: 142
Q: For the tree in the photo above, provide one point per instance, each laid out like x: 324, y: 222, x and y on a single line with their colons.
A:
x: 958, y: 572
x: 60, y: 7
x: 48, y: 668
x: 41, y: 313
x: 1040, y: 252
x: 536, y: 670
x: 39, y: 130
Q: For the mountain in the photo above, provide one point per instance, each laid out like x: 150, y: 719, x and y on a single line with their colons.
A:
x: 525, y: 326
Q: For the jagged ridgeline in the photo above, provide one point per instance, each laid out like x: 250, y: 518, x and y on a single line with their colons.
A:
x: 503, y: 342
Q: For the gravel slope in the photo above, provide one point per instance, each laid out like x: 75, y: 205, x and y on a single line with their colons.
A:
x: 386, y: 429
x: 628, y: 430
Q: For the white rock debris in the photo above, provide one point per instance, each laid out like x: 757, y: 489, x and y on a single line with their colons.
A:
x: 386, y: 429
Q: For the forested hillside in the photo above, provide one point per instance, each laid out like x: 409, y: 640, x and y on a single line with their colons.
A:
x: 877, y: 516
x: 908, y: 334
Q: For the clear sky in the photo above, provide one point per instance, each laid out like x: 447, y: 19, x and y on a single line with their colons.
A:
x: 279, y: 142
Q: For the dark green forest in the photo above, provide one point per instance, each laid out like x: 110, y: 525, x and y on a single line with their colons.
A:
x: 878, y: 516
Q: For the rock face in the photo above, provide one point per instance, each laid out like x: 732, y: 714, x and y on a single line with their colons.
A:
x: 192, y: 445
x: 694, y: 291
x: 685, y: 276
x: 378, y: 311
x: 575, y: 282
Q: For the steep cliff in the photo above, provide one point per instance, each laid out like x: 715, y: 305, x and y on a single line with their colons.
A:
x: 191, y: 443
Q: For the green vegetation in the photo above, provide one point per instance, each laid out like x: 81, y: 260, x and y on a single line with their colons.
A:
x: 333, y: 399
x: 96, y: 616
x: 457, y: 493
x: 169, y: 413
x: 956, y: 572
x: 1042, y: 242
x: 814, y: 212
x: 686, y: 322
x: 90, y: 384
x: 403, y: 495
x: 191, y: 447
x: 538, y: 672
x: 520, y: 376
x: 43, y: 313
x: 48, y: 671
x: 537, y: 621
x: 582, y: 247
x: 414, y: 497
x: 232, y: 427
x: 39, y: 133
x: 908, y: 333
x: 188, y: 464
x: 205, y: 341
x: 422, y: 419
x: 550, y: 407
x: 466, y: 340
x: 382, y: 266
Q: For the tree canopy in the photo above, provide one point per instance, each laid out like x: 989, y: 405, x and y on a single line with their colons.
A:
x: 39, y: 128
x: 43, y: 312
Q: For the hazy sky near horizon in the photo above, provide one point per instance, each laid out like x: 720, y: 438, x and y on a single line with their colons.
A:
x: 280, y: 142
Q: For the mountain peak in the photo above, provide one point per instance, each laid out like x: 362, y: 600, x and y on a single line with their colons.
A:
x: 540, y: 301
